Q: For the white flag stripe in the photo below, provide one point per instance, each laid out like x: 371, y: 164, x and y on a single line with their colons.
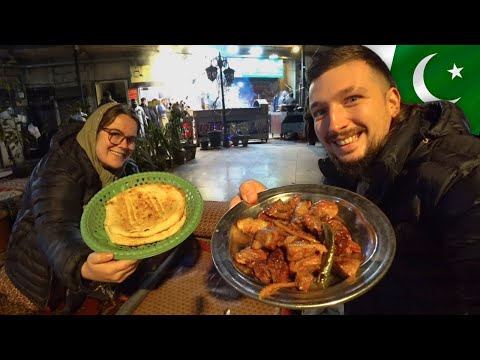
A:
x: 386, y: 52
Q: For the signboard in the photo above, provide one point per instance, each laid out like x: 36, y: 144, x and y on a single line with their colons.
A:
x: 140, y: 74
x: 132, y: 94
x: 256, y: 68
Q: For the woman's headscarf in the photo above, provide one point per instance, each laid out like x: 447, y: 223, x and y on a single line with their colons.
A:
x: 87, y: 138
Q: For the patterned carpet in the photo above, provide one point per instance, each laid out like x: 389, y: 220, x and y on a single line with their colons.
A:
x: 89, y: 307
x: 9, y: 183
x: 11, y: 190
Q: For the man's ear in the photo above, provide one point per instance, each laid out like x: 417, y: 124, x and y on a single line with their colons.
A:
x: 393, y: 101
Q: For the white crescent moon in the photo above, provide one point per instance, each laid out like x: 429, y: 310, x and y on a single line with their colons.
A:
x: 419, y: 83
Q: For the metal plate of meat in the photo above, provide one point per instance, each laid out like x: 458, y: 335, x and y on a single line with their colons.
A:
x: 368, y: 225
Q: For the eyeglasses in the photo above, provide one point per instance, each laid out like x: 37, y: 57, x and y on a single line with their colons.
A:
x: 116, y: 137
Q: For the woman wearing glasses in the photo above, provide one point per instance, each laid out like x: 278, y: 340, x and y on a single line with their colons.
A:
x: 47, y: 261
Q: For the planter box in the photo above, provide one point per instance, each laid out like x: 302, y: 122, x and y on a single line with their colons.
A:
x: 215, y: 138
x: 190, y: 151
x: 178, y: 157
x: 235, y: 140
x: 204, y: 143
x: 244, y: 139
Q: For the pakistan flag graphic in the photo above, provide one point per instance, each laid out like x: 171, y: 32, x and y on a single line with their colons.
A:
x: 437, y: 72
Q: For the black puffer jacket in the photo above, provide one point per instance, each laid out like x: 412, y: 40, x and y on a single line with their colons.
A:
x: 46, y: 249
x: 427, y: 181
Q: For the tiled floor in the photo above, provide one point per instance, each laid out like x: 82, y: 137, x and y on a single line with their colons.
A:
x: 218, y: 173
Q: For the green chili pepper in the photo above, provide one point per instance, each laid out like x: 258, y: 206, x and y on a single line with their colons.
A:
x: 324, y: 276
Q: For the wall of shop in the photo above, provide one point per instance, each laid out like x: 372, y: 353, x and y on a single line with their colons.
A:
x: 62, y: 78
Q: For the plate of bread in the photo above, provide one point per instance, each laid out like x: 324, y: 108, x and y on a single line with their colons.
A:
x: 141, y: 215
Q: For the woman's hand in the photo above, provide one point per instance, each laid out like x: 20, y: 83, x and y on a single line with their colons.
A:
x: 248, y: 192
x: 102, y: 267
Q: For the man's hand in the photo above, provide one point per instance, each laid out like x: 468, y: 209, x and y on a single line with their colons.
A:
x: 248, y: 192
x: 102, y: 267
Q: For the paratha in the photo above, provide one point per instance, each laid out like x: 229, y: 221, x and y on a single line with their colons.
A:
x: 135, y: 241
x: 144, y: 210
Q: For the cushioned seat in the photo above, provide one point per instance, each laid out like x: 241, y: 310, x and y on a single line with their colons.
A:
x: 212, y: 213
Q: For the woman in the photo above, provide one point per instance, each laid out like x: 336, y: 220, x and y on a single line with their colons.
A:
x: 47, y: 261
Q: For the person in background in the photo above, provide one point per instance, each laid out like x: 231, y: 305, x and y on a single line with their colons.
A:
x: 153, y: 106
x: 289, y: 103
x: 48, y: 263
x: 146, y: 110
x: 79, y: 115
x: 106, y: 98
x: 140, y: 114
x: 419, y: 163
x: 162, y: 110
x: 284, y: 95
x: 309, y: 125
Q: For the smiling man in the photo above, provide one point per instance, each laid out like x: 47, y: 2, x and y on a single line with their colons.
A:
x: 419, y: 163
x: 353, y: 107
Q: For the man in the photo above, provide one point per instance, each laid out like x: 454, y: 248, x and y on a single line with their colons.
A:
x: 289, y: 102
x: 79, y: 115
x: 106, y: 98
x: 309, y: 125
x: 140, y: 114
x: 419, y: 163
x: 146, y: 110
x: 162, y: 110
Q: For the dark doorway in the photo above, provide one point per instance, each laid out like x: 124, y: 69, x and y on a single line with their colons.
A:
x: 118, y: 89
x: 42, y: 112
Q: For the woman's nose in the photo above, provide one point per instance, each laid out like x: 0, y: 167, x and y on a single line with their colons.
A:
x: 124, y: 143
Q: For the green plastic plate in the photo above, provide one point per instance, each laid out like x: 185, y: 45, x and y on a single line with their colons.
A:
x: 93, y: 216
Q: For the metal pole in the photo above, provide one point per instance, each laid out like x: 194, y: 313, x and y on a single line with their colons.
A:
x: 226, y: 143
x: 304, y: 82
x: 77, y: 69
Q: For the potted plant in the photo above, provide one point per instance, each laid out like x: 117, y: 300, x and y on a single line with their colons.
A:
x: 187, y: 134
x: 204, y: 143
x: 151, y: 150
x: 190, y: 150
x: 234, y: 136
x: 245, y: 140
x: 242, y: 131
x: 235, y: 139
x: 215, y: 137
x: 173, y: 133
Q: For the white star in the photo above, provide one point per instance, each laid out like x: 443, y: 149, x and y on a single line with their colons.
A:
x: 455, y: 71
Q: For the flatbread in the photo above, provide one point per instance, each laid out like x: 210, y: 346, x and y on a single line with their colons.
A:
x: 135, y: 241
x: 145, y: 210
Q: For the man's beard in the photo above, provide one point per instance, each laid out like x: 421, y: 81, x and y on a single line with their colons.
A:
x: 360, y: 168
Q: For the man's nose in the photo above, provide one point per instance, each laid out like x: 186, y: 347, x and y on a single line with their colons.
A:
x: 337, y: 119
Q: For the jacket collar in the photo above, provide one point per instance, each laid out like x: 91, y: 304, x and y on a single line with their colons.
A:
x: 426, y: 122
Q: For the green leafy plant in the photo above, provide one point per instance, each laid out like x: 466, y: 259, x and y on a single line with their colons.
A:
x: 13, y: 139
x: 152, y: 150
x: 173, y: 129
x: 242, y: 128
